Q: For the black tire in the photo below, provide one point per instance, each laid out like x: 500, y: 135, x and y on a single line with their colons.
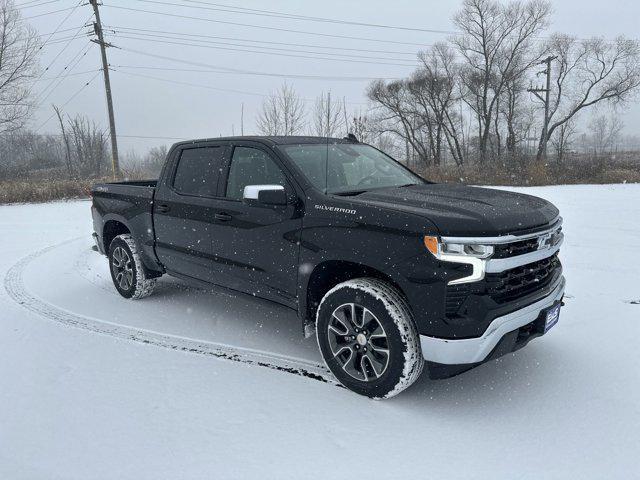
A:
x: 126, y: 269
x: 380, y: 320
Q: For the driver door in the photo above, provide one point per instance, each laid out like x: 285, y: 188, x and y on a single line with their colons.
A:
x: 256, y: 246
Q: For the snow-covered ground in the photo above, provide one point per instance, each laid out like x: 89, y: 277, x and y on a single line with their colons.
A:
x: 93, y: 386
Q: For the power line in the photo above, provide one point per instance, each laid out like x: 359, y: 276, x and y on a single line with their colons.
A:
x: 303, y: 77
x: 25, y: 5
x: 9, y: 134
x: 284, y: 15
x: 67, y: 75
x: 77, y: 58
x: 70, y: 98
x: 178, y: 82
x: 29, y: 2
x: 49, y: 13
x: 241, y: 10
x: 291, y: 55
x: 54, y: 32
x: 75, y: 35
x: 264, y: 27
x: 142, y: 36
x: 228, y: 70
x: 152, y: 137
x: 341, y: 48
x: 209, y: 87
x: 271, y: 13
x: 61, y: 40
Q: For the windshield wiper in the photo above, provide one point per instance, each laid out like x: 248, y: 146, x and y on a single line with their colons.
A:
x: 348, y: 193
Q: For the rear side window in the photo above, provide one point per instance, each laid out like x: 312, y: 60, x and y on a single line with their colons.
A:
x: 198, y: 171
x: 251, y: 166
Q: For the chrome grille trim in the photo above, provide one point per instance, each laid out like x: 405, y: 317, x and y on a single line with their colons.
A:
x: 497, y: 265
x: 549, y: 242
x: 505, y: 238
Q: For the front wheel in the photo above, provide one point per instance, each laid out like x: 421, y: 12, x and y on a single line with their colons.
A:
x: 127, y: 272
x: 368, y: 339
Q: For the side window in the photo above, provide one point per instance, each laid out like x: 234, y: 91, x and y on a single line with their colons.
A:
x: 198, y: 171
x: 251, y: 166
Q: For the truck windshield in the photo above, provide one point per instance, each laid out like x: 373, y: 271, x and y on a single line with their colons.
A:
x: 341, y: 168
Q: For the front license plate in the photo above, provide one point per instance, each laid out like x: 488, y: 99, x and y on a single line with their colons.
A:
x: 553, y: 314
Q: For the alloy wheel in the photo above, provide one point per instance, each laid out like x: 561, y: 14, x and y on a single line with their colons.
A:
x: 122, y: 268
x: 358, y: 342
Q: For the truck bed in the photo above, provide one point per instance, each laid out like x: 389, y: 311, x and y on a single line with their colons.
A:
x: 136, y: 183
x: 129, y: 203
x: 142, y: 189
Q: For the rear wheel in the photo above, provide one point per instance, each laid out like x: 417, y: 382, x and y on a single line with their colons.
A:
x: 368, y: 339
x: 126, y: 268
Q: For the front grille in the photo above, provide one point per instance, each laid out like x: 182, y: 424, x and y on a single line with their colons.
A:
x: 505, y: 286
x: 516, y: 248
x: 520, y: 281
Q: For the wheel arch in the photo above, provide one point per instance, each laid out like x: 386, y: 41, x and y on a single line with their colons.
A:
x: 330, y: 273
x: 111, y: 229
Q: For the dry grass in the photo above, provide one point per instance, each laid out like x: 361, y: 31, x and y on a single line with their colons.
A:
x: 538, y: 173
x: 34, y: 191
x: 52, y: 186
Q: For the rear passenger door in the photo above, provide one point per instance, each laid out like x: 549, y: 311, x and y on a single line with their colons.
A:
x: 184, y: 209
x: 257, y: 246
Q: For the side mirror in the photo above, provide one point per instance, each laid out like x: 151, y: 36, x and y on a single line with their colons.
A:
x: 265, y: 195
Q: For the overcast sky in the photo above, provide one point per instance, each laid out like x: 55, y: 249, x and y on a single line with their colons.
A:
x: 155, y: 108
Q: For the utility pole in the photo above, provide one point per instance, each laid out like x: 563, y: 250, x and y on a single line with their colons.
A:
x: 546, y: 90
x: 97, y: 28
x: 242, y: 119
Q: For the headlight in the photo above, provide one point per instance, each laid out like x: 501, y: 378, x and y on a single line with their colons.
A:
x: 439, y: 248
x: 479, y: 251
x: 470, y: 254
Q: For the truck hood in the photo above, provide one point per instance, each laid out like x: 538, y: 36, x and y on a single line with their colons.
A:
x: 459, y: 210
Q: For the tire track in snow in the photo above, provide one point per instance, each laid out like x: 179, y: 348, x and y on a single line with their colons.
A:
x: 14, y: 286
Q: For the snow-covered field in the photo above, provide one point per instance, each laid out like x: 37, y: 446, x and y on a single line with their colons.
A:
x: 93, y: 386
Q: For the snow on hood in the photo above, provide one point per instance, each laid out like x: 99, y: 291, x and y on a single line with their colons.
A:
x: 459, y: 210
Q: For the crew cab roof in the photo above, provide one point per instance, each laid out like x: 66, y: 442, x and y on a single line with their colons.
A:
x: 272, y: 140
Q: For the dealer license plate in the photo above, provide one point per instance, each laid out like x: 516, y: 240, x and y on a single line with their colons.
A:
x: 553, y: 314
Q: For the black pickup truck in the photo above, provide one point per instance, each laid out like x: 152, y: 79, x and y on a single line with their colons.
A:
x: 393, y: 272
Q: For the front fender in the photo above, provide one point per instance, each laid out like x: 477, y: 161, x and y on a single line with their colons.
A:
x: 361, y: 241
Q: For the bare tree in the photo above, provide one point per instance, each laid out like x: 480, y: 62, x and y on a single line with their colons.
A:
x: 563, y: 139
x: 395, y: 115
x: 497, y: 45
x: 19, y: 47
x: 421, y: 111
x: 282, y: 113
x: 155, y: 158
x: 89, y: 146
x: 437, y: 89
x: 605, y: 133
x: 516, y: 114
x: 328, y: 116
x: 65, y: 138
x: 22, y: 152
x: 588, y: 73
x: 362, y: 126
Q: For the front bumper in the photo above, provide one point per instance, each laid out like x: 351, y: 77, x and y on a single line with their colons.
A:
x: 476, y: 350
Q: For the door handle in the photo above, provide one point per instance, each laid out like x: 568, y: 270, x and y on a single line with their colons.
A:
x: 163, y: 208
x: 223, y: 217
